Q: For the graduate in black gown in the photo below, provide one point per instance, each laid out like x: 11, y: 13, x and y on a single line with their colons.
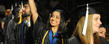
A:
x: 52, y: 33
x: 88, y: 25
x: 10, y: 34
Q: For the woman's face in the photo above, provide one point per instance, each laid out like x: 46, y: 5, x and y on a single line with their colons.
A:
x: 96, y: 22
x: 55, y: 19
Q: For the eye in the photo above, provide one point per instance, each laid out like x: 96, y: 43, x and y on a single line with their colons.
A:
x: 57, y: 17
x: 96, y: 18
x: 25, y: 6
x: 52, y: 16
x: 101, y: 31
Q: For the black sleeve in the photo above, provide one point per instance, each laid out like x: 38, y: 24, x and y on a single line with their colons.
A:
x: 9, y: 33
x: 38, y: 30
x: 104, y: 40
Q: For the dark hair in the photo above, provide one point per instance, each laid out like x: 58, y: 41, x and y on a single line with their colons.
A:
x: 25, y: 2
x: 16, y: 10
x: 62, y: 26
x: 105, y: 26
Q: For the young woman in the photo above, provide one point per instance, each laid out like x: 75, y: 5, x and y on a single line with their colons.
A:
x: 56, y: 27
x: 53, y: 31
x: 93, y: 25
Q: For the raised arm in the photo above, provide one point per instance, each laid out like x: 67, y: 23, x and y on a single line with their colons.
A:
x: 34, y: 12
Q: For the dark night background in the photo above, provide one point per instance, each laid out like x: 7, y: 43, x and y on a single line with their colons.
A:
x: 69, y: 7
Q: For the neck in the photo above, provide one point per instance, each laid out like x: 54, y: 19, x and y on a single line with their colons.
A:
x: 28, y: 18
x: 54, y: 29
x: 92, y: 39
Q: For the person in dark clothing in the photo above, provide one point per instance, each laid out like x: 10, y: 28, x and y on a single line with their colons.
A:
x: 22, y: 32
x: 29, y: 17
x: 52, y: 33
x: 7, y: 18
x: 104, y: 40
x: 10, y: 34
x: 102, y: 32
x: 99, y: 40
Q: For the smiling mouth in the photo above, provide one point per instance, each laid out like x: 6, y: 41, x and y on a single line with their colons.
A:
x: 53, y: 22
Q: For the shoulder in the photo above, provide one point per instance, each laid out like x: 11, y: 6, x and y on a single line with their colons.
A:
x: 74, y: 40
x: 104, y: 40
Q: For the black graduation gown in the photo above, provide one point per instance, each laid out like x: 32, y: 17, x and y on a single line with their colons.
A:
x: 104, y: 40
x: 10, y: 33
x: 39, y: 32
x: 46, y: 40
x: 101, y: 40
x: 13, y: 34
x: 7, y: 19
x: 72, y: 40
x: 27, y: 34
x: 76, y: 40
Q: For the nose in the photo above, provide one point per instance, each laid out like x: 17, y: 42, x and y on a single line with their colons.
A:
x: 100, y: 22
x: 23, y: 10
x: 53, y: 18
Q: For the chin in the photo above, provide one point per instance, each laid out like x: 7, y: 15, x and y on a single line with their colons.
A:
x: 53, y: 25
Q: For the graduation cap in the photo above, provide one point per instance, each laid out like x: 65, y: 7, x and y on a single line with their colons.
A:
x: 94, y: 7
x: 87, y: 9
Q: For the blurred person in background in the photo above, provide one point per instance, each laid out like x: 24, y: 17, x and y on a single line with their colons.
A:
x: 13, y: 25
